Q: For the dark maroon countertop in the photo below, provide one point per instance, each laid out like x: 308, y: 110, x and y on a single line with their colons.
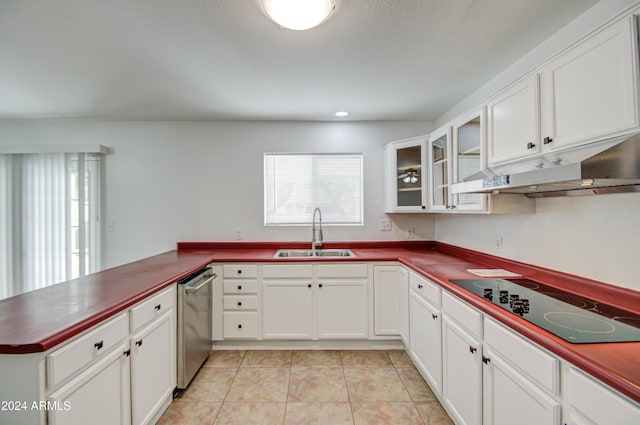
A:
x: 37, y: 321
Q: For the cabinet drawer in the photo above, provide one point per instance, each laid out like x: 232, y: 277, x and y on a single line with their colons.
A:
x: 328, y: 271
x: 239, y: 302
x: 425, y: 289
x: 534, y: 362
x: 300, y: 271
x: 240, y: 324
x: 463, y: 314
x: 240, y: 270
x: 240, y: 286
x: 77, y: 354
x: 154, y: 307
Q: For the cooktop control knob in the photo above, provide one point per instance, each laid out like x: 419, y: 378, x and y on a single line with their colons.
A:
x: 518, y: 307
x: 504, y: 297
x: 488, y: 293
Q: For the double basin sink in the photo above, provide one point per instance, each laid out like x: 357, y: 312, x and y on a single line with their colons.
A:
x: 305, y: 253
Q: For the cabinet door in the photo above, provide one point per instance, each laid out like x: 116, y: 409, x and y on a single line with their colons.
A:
x: 287, y: 310
x: 100, y: 395
x: 440, y: 170
x: 590, y: 91
x: 592, y: 403
x: 425, y: 344
x: 462, y: 374
x: 468, y: 154
x: 513, y: 122
x: 387, y: 294
x: 405, y: 167
x: 152, y: 369
x: 342, y: 309
x: 508, y: 395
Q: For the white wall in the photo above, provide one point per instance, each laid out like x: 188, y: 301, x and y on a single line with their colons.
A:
x: 596, y: 237
x: 202, y: 181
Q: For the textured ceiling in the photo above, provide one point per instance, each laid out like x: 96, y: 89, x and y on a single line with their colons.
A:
x: 224, y: 60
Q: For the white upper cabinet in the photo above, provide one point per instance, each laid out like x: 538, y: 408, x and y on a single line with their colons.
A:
x: 513, y: 122
x: 405, y: 172
x: 587, y: 94
x: 590, y: 92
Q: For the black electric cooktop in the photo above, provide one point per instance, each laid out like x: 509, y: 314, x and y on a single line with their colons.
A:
x: 571, y: 317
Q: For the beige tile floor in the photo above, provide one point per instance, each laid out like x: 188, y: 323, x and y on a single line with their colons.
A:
x: 307, y: 387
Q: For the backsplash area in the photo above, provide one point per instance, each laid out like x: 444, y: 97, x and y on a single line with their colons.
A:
x: 595, y: 237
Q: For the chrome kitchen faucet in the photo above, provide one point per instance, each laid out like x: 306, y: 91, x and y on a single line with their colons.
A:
x: 316, y: 243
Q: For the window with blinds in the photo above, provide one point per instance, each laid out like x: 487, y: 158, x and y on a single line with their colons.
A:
x: 295, y: 184
x: 49, y: 219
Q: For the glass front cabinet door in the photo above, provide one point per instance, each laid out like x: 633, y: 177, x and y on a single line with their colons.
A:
x: 405, y: 175
x: 439, y: 149
x: 468, y: 154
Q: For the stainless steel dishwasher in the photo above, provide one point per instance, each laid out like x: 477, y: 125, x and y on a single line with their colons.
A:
x: 194, y: 323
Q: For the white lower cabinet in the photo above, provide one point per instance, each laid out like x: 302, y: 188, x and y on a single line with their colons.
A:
x: 462, y: 373
x: 425, y: 345
x: 97, y: 396
x: 342, y: 309
x: 315, y: 301
x: 592, y: 403
x: 287, y: 309
x: 390, y: 301
x: 508, y: 394
x: 152, y: 369
x: 132, y: 382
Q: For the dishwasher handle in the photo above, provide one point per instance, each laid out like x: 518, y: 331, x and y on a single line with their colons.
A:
x: 193, y: 289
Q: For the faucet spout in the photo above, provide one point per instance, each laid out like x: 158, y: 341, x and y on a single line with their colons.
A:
x: 316, y: 242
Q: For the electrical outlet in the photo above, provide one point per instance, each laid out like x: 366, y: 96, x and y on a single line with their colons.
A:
x: 409, y: 232
x: 239, y: 231
x: 384, y: 225
x: 111, y: 226
x: 498, y: 244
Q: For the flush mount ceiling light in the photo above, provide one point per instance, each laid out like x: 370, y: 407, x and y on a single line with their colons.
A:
x: 298, y: 14
x: 341, y: 114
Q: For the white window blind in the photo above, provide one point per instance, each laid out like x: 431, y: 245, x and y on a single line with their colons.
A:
x: 295, y: 184
x: 49, y: 219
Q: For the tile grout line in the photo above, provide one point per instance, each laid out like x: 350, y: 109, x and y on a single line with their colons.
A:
x: 404, y: 385
x: 229, y: 389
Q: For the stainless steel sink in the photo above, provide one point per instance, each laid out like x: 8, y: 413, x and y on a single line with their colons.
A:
x: 302, y: 253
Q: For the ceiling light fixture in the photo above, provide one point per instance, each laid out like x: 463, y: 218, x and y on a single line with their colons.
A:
x: 341, y: 114
x: 298, y: 14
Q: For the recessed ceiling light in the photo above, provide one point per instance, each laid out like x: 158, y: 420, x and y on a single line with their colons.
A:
x: 298, y: 14
x: 341, y: 114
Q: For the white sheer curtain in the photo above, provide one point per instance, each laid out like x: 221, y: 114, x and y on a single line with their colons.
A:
x: 49, y: 221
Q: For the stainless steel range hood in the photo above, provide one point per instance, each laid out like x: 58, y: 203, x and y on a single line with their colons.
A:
x: 606, y: 167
